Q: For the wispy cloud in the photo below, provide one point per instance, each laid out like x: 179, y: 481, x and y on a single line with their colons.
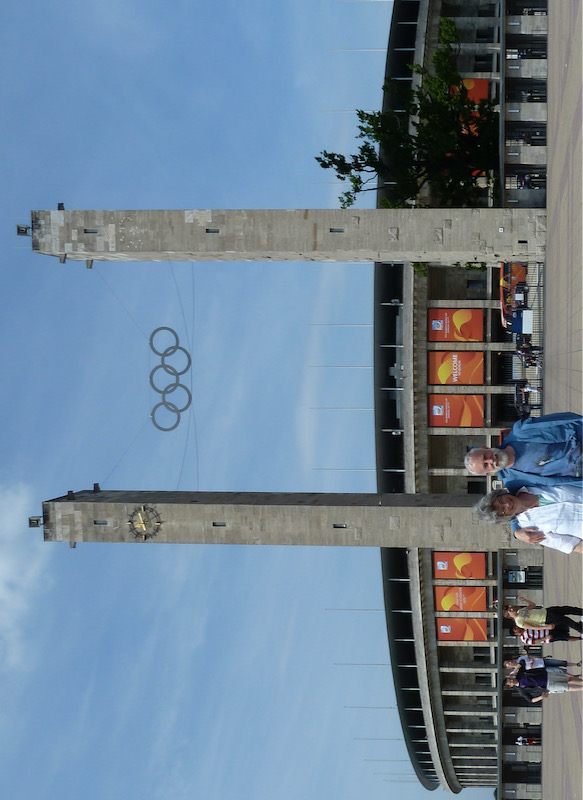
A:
x: 23, y: 576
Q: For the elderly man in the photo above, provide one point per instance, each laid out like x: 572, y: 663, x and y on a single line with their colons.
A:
x: 544, y: 450
x: 547, y: 515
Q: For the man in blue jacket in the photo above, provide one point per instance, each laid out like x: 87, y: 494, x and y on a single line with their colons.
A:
x: 537, y: 452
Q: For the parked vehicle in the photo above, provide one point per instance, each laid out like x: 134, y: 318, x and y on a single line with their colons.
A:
x: 513, y: 290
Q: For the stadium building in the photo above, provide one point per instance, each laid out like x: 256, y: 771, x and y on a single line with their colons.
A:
x: 443, y: 386
x: 446, y: 377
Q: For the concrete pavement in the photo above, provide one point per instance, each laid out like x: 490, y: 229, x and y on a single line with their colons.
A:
x: 562, y: 716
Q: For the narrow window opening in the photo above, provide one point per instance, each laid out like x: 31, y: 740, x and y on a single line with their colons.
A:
x: 213, y: 230
x: 219, y: 524
x: 339, y: 525
x: 100, y: 522
x: 90, y: 230
x: 336, y: 230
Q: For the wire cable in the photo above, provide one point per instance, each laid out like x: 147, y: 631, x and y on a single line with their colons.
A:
x: 125, y: 452
x: 190, y: 338
x: 193, y: 413
x: 119, y: 300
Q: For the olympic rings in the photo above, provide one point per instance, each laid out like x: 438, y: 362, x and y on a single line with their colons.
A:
x: 171, y: 387
x: 169, y: 371
x: 166, y: 354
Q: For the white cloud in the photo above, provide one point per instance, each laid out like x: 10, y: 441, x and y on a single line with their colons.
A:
x: 23, y: 576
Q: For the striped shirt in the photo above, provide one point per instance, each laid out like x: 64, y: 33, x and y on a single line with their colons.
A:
x: 534, y: 635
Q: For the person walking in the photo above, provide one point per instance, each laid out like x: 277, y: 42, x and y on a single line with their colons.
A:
x: 528, y: 740
x: 532, y: 616
x: 538, y: 684
x: 556, y: 665
x: 547, y: 635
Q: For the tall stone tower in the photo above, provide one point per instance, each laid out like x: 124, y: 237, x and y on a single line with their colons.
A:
x: 378, y: 235
x: 433, y: 235
x: 425, y: 635
x: 444, y: 522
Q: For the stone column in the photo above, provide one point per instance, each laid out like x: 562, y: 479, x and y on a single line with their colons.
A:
x: 420, y: 234
x: 442, y: 522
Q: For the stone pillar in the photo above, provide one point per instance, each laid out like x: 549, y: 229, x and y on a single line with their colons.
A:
x: 421, y: 234
x: 442, y: 522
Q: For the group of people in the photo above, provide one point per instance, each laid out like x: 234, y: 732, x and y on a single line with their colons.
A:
x: 540, y: 465
x: 537, y: 678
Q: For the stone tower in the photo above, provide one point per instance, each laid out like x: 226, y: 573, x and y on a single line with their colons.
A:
x: 378, y: 235
x: 432, y: 235
x: 444, y: 522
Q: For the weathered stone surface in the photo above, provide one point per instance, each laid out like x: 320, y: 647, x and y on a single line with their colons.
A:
x: 421, y: 234
x: 370, y: 520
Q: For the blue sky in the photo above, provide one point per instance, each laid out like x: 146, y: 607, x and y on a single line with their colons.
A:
x: 155, y: 671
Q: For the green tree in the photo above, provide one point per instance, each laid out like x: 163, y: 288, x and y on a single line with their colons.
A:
x: 436, y: 138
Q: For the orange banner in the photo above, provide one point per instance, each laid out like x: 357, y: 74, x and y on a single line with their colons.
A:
x: 478, y: 88
x: 456, y: 410
x: 455, y: 325
x: 464, y: 367
x: 460, y: 598
x: 454, y: 629
x: 459, y: 565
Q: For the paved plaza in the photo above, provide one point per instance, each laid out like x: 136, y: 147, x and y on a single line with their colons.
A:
x: 562, y: 716
x: 564, y: 265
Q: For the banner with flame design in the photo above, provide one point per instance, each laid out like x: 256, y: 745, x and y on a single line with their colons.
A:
x: 464, y: 367
x: 455, y: 325
x: 460, y: 598
x: 459, y: 565
x: 478, y: 88
x: 456, y: 410
x: 454, y: 629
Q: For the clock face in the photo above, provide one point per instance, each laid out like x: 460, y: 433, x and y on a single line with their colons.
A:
x: 144, y: 522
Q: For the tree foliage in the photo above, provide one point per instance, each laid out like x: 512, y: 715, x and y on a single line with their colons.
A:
x: 436, y: 138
